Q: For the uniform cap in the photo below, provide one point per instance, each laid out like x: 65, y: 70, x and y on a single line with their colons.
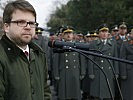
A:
x: 68, y: 29
x: 103, y: 27
x: 92, y: 34
x: 115, y: 28
x: 123, y: 25
x: 39, y: 30
x: 131, y: 31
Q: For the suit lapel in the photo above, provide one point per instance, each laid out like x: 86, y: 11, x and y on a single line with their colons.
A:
x: 103, y: 47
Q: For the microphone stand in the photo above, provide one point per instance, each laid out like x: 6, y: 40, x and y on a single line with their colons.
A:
x: 105, y: 56
x: 113, y: 74
x: 81, y: 52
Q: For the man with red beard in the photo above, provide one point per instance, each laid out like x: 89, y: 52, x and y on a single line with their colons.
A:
x: 23, y: 67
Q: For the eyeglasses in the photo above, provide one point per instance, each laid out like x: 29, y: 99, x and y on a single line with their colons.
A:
x: 23, y: 23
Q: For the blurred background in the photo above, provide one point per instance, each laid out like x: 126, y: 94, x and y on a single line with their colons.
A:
x: 83, y: 15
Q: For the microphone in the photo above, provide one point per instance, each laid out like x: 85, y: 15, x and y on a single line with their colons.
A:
x: 62, y: 44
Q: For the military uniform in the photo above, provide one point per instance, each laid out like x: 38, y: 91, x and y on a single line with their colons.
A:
x: 86, y: 81
x: 68, y: 71
x: 126, y: 71
x: 98, y: 87
x: 98, y: 83
x: 120, y: 38
x: 42, y: 41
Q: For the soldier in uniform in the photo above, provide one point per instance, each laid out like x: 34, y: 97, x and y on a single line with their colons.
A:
x: 126, y: 72
x: 79, y: 37
x: 98, y: 88
x: 86, y: 81
x: 122, y: 36
x: 91, y: 36
x: 42, y: 41
x: 114, y: 31
x: 68, y: 70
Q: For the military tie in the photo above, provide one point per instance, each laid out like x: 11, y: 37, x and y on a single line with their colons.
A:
x: 123, y: 38
x: 104, y: 42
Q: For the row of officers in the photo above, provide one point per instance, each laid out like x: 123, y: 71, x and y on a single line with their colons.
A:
x: 76, y: 77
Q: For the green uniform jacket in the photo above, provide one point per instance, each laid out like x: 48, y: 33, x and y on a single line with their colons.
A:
x: 68, y: 68
x: 21, y: 79
x: 126, y: 71
x: 99, y: 86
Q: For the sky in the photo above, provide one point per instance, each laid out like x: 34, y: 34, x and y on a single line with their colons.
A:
x: 43, y: 8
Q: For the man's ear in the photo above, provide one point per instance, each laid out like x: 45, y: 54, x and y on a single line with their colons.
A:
x: 6, y: 27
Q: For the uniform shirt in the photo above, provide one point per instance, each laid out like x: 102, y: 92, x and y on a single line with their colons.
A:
x: 123, y: 37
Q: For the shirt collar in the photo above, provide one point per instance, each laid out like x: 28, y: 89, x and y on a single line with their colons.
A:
x: 27, y: 49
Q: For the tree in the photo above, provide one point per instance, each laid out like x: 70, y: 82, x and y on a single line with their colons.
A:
x: 87, y: 15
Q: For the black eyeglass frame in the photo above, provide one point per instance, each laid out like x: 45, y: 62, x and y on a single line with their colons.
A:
x: 23, y: 23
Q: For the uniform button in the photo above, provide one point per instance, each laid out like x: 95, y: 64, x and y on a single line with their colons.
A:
x: 66, y: 60
x: 74, y: 66
x: 102, y: 61
x: 31, y: 72
x: 109, y: 67
x: 109, y: 53
x: 66, y: 55
x: 32, y: 90
x: 74, y: 54
x: 74, y: 60
x: 66, y: 66
x: 102, y: 67
x: 9, y: 49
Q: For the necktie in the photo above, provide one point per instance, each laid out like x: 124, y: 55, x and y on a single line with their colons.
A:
x: 26, y: 53
x: 122, y: 37
x: 104, y: 42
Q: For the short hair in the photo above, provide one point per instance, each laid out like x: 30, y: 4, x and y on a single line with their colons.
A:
x: 11, y: 7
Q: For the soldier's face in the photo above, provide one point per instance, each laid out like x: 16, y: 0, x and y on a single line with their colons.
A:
x: 114, y: 32
x: 122, y: 31
x: 103, y: 34
x: 68, y: 36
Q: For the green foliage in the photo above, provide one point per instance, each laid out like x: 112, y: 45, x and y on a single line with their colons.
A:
x: 87, y: 15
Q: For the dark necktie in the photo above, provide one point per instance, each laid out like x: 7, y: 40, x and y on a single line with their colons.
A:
x: 26, y: 53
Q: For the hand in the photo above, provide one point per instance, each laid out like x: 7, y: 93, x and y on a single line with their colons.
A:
x: 91, y: 76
